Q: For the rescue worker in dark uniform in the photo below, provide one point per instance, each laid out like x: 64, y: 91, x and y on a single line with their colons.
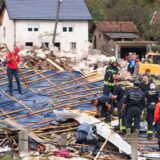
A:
x: 118, y: 94
x: 103, y: 108
x: 145, y: 85
x: 151, y: 99
x: 157, y: 120
x: 133, y: 105
x: 111, y: 70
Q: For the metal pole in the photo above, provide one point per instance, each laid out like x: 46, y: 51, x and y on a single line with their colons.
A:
x: 56, y: 22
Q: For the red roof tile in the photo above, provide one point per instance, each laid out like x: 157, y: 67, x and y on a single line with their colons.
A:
x: 125, y: 27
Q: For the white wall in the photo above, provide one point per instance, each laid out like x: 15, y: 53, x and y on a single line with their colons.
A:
x: 7, y: 31
x: 79, y: 34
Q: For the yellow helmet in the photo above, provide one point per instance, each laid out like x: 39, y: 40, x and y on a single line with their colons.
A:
x: 113, y: 60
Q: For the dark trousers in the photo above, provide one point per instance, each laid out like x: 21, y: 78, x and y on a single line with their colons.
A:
x: 150, y: 116
x: 10, y: 74
x: 121, y: 116
x: 132, y: 70
x: 157, y: 128
x: 106, y: 114
x: 133, y: 113
x: 107, y: 89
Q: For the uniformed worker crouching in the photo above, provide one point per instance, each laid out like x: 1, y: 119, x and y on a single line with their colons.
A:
x: 133, y: 105
x: 103, y: 108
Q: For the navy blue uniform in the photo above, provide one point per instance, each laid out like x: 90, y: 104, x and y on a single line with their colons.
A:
x: 119, y: 91
x: 135, y: 101
x: 109, y: 80
x: 145, y: 87
x: 152, y: 99
x: 104, y: 112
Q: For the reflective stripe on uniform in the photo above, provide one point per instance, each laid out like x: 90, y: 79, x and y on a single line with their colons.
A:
x: 121, y: 127
x: 108, y: 83
x: 111, y: 70
x: 149, y: 132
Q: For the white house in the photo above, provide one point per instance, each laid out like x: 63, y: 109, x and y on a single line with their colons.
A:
x: 31, y: 23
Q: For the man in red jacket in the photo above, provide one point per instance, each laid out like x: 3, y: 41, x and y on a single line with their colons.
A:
x: 13, y: 60
x: 157, y: 121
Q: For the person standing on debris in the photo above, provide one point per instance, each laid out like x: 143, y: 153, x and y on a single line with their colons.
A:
x: 133, y: 105
x: 103, y: 108
x: 110, y: 72
x: 151, y: 99
x: 132, y: 66
x: 12, y: 69
x: 156, y: 122
x: 145, y: 85
x: 118, y: 95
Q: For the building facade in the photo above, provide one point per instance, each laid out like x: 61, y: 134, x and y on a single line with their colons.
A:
x: 35, y: 30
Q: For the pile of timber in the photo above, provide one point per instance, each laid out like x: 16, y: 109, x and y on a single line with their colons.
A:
x: 58, y: 142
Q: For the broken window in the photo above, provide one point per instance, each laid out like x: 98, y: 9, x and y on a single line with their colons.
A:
x: 30, y: 29
x: 30, y: 44
x: 73, y: 45
x: 64, y: 29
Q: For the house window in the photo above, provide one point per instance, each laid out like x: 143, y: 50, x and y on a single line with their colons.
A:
x: 73, y: 45
x: 70, y: 29
x: 30, y: 29
x: 45, y: 44
x: 30, y: 44
x: 36, y: 29
x: 64, y: 29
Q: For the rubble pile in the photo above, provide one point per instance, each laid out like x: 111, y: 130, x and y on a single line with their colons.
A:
x: 61, y: 145
x: 80, y: 61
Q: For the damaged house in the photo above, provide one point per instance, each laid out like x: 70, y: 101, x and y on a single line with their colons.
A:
x: 119, y: 39
x: 31, y: 23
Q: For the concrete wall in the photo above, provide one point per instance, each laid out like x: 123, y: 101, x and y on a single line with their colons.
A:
x: 79, y: 35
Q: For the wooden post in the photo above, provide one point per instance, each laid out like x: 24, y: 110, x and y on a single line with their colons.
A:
x: 134, y: 146
x: 23, y: 141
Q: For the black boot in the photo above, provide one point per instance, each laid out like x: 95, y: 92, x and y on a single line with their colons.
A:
x: 10, y: 93
x: 159, y: 145
x: 20, y: 91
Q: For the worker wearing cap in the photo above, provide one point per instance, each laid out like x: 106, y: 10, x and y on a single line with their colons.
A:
x: 151, y: 99
x: 118, y: 94
x: 103, y: 107
x: 110, y: 72
x: 13, y: 59
x: 157, y: 120
x: 134, y: 103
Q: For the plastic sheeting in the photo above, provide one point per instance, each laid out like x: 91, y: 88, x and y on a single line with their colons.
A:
x: 22, y: 108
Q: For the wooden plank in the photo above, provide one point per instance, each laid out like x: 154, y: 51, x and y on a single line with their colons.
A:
x: 20, y: 127
x: 134, y: 146
x: 54, y: 64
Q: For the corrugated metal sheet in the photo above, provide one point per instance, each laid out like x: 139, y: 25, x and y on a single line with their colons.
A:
x: 46, y: 9
x: 122, y: 35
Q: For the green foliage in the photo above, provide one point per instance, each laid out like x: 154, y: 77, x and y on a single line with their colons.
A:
x: 1, y: 1
x: 138, y: 11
